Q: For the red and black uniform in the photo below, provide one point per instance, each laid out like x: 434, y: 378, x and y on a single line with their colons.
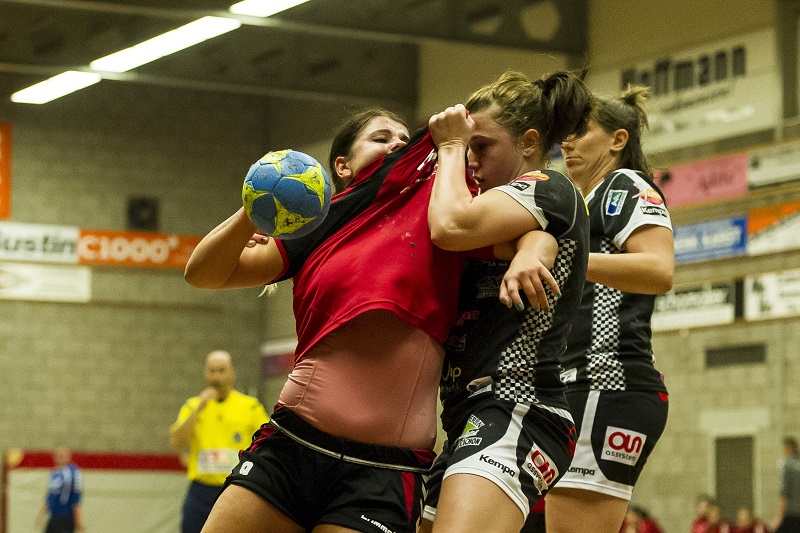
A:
x: 371, y: 257
x: 374, y: 251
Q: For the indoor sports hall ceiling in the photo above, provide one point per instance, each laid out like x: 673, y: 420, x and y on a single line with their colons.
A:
x: 325, y: 50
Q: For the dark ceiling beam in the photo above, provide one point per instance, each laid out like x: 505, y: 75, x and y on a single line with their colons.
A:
x: 204, y: 85
x: 571, y: 38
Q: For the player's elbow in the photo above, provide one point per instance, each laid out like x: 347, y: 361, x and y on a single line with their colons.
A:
x: 197, y: 277
x: 449, y: 234
x: 661, y: 279
x: 447, y: 240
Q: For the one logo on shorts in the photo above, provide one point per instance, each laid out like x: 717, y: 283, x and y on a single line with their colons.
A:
x: 542, y: 468
x: 505, y: 469
x: 614, y: 202
x: 582, y: 471
x: 376, y: 524
x: 245, y: 468
x: 468, y: 436
x: 623, y: 445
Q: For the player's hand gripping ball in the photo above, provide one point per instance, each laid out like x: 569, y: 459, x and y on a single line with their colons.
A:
x: 286, y: 194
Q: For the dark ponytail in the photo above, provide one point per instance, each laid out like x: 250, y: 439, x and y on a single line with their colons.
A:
x: 557, y: 105
x: 626, y: 112
x: 566, y: 106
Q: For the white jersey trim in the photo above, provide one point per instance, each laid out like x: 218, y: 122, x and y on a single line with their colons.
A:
x: 638, y: 220
x: 524, y: 201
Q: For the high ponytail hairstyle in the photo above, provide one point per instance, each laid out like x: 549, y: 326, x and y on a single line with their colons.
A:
x: 556, y: 106
x: 626, y: 112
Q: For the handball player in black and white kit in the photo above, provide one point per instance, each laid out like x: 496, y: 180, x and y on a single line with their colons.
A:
x: 616, y: 395
x: 509, y: 431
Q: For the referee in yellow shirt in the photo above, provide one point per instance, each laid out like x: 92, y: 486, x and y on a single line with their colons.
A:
x: 214, y: 426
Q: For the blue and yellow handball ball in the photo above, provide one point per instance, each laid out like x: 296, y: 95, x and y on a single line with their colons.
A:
x: 286, y: 194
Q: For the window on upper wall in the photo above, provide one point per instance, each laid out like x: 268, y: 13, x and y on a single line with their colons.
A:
x: 747, y: 354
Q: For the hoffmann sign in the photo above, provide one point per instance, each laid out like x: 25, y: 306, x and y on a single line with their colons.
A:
x: 69, y: 245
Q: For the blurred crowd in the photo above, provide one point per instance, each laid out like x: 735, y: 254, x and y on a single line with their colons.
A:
x: 709, y: 519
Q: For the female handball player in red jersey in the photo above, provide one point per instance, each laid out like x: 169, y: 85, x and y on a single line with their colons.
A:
x: 374, y: 299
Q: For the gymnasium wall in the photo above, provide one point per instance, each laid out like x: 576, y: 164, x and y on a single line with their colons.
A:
x: 709, y: 405
x: 111, y: 374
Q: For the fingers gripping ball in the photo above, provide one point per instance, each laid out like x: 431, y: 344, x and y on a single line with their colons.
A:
x: 286, y: 194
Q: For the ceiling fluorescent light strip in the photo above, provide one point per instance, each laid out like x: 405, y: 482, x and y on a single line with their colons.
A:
x: 55, y: 87
x: 263, y: 8
x: 165, y: 44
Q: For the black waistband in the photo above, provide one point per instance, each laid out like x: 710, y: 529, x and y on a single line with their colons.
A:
x: 379, y: 456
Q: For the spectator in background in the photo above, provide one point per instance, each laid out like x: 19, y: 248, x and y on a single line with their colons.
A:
x: 700, y: 523
x: 63, y: 502
x: 215, y: 426
x: 788, y: 518
x: 638, y: 520
x: 716, y: 522
x: 746, y: 523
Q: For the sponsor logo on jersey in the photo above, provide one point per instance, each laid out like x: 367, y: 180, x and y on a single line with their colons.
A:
x: 452, y: 372
x: 489, y: 286
x: 569, y: 375
x: 503, y: 468
x: 582, y: 471
x: 463, y: 316
x: 542, y: 468
x: 654, y: 210
x: 615, y: 199
x: 623, y: 445
x: 650, y: 196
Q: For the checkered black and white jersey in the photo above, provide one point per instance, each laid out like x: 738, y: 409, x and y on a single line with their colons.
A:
x: 515, y: 354
x: 609, y: 346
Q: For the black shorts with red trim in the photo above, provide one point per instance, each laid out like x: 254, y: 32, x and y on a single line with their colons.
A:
x: 315, y: 478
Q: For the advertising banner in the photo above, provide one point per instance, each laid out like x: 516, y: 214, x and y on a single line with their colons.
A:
x: 715, y: 239
x: 774, y: 164
x: 710, y: 180
x: 773, y: 228
x: 706, y: 93
x: 772, y: 295
x: 128, y: 248
x: 64, y: 244
x: 695, y: 307
x: 51, y: 283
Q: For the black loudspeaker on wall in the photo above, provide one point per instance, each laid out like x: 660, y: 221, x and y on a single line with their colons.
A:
x: 143, y: 214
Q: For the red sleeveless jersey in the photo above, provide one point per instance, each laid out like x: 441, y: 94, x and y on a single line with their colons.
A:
x: 374, y: 251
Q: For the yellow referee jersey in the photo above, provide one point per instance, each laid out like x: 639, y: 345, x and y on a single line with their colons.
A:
x: 222, y: 429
